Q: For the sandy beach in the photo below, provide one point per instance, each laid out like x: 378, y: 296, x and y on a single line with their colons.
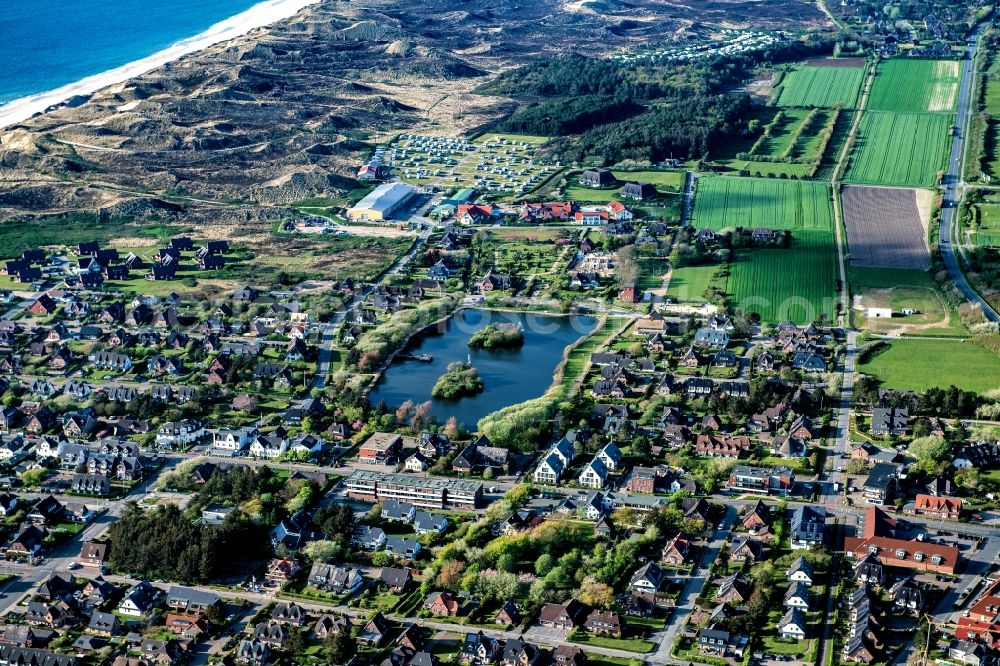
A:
x: 260, y: 15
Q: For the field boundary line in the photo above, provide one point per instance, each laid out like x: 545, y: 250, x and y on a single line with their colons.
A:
x: 844, y: 316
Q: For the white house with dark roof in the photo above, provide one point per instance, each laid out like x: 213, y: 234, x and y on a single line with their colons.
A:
x: 594, y: 475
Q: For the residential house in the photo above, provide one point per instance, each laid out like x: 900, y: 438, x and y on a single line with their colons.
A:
x: 793, y: 624
x: 396, y: 580
x: 879, y: 488
x: 335, y: 578
x: 330, y: 624
x: 878, y: 538
x: 797, y: 596
x: 800, y: 572
x: 290, y: 613
x: 381, y: 448
x: 946, y: 508
x: 746, y: 549
x: 767, y: 481
x: 716, y: 641
x: 648, y: 579
x: 441, y: 604
x: 890, y: 421
x: 808, y: 526
x: 564, y: 617
x: 606, y: 623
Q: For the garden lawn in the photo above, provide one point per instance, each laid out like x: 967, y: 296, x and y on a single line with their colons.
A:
x: 915, y: 85
x: 796, y: 283
x: 774, y: 645
x: 822, y: 86
x: 988, y: 233
x: 900, y: 148
x: 638, y: 645
x: 917, y: 364
x: 689, y: 283
x: 591, y: 194
x: 668, y: 181
x: 723, y: 202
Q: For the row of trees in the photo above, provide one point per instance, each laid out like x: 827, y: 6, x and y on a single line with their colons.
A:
x: 951, y: 402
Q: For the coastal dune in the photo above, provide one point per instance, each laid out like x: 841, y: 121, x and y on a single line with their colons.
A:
x: 260, y: 15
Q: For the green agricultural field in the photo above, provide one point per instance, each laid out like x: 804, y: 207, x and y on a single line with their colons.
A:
x: 900, y: 149
x: 797, y: 283
x: 822, y: 86
x: 724, y: 202
x: 761, y: 169
x: 916, y: 365
x: 783, y: 133
x: 991, y: 107
x: 915, y: 86
x: 689, y: 283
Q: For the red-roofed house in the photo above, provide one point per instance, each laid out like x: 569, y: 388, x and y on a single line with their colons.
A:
x: 677, y: 551
x: 939, y: 506
x: 591, y: 217
x: 721, y: 447
x: 475, y: 213
x: 878, y: 540
x: 551, y: 210
x: 618, y: 212
x: 981, y: 623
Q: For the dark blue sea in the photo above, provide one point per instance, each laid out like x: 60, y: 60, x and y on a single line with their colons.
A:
x: 47, y: 44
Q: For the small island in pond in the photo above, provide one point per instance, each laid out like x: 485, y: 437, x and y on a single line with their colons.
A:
x: 459, y: 381
x: 497, y: 336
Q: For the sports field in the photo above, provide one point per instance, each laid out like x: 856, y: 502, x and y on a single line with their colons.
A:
x: 723, y: 202
x: 915, y: 365
x: 899, y: 148
x: 907, y: 85
x: 797, y: 283
x: 822, y: 86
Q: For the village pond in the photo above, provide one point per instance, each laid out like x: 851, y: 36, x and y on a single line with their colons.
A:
x: 509, y: 376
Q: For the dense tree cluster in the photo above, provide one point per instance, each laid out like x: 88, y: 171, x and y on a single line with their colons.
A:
x: 497, y: 336
x: 164, y: 543
x: 569, y: 116
x: 647, y: 111
x: 684, y: 128
x: 951, y: 402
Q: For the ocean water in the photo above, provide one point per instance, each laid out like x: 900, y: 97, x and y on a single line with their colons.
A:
x: 46, y: 44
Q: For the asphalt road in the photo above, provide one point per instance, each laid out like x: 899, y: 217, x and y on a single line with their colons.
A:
x: 329, y: 329
x: 953, y: 184
x: 685, y: 603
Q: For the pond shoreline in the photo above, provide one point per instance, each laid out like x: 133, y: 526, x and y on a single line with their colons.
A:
x: 507, y: 373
